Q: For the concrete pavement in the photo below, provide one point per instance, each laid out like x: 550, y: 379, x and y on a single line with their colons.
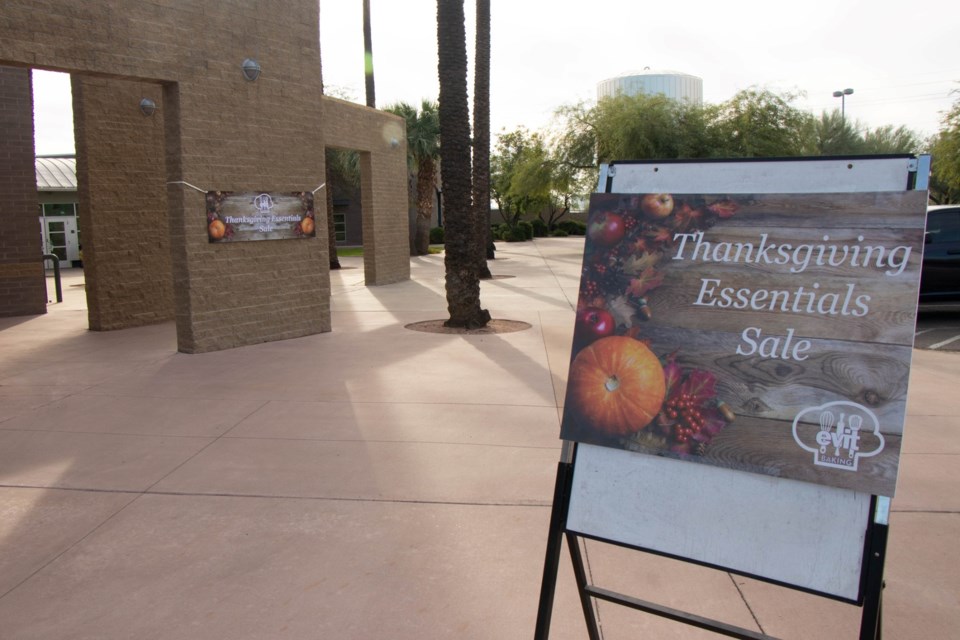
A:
x: 372, y: 482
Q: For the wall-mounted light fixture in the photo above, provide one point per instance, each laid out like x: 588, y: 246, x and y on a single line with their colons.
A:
x: 148, y: 107
x: 251, y: 69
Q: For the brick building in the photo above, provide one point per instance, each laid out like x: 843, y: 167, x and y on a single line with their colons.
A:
x: 147, y: 257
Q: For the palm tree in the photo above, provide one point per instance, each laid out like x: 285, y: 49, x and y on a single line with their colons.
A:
x: 481, y: 139
x: 833, y: 135
x: 423, y: 151
x: 462, y: 281
x: 368, y: 56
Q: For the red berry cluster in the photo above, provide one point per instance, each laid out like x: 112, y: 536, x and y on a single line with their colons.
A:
x: 686, y: 419
x: 591, y: 290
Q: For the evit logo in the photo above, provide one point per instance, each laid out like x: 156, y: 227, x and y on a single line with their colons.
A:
x: 838, y: 434
x: 263, y: 203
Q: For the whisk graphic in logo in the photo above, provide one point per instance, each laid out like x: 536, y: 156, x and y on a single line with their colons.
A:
x: 838, y: 434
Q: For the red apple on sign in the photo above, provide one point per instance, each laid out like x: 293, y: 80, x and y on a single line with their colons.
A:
x: 606, y: 229
x: 594, y: 322
x: 657, y: 205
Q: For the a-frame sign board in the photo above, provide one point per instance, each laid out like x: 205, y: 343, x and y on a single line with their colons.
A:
x: 816, y: 536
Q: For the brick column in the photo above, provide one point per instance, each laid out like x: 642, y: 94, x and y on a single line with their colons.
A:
x: 123, y: 206
x: 22, y: 282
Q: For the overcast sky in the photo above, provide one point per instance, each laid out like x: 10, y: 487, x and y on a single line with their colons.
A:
x: 902, y: 60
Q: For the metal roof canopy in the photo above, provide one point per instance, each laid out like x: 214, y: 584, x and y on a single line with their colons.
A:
x: 56, y: 173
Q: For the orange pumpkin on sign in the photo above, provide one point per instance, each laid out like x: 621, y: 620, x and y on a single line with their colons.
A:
x: 616, y: 385
x: 306, y: 226
x: 216, y: 229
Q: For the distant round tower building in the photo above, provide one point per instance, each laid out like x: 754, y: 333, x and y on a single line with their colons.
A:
x: 681, y: 87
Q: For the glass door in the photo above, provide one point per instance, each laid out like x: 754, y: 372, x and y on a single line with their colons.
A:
x: 60, y: 238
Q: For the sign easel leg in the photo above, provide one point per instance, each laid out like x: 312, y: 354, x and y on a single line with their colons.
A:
x: 593, y: 629
x: 870, y: 620
x: 551, y: 563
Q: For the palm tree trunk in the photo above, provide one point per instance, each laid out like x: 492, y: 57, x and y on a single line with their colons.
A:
x: 331, y: 229
x: 368, y: 56
x: 481, y: 139
x: 462, y: 282
x: 425, y: 194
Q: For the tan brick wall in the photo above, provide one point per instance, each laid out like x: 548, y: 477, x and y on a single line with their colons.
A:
x: 220, y: 132
x: 381, y: 140
x: 123, y: 203
x: 22, y: 282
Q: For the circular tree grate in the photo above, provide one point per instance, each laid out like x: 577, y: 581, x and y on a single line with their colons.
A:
x: 494, y: 326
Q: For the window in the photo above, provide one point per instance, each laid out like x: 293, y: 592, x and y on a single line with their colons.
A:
x: 340, y: 227
x: 943, y: 226
x: 58, y: 239
x: 59, y: 209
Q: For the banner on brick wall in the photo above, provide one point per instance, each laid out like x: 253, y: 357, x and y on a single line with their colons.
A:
x: 235, y: 216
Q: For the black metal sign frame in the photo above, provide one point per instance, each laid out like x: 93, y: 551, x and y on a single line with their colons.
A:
x: 872, y: 564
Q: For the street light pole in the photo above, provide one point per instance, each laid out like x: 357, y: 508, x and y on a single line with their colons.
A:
x: 843, y: 103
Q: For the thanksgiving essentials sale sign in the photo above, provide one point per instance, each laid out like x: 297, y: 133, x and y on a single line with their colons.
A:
x: 259, y: 215
x: 767, y: 333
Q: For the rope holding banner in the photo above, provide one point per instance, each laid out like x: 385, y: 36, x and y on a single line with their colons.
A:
x: 205, y: 190
x: 189, y: 185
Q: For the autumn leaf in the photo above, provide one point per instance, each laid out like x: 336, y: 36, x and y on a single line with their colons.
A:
x: 687, y: 217
x: 636, y: 264
x: 621, y: 310
x: 644, y: 245
x: 672, y: 373
x: 713, y: 423
x: 724, y: 208
x: 647, y: 280
x: 661, y: 236
x: 700, y: 384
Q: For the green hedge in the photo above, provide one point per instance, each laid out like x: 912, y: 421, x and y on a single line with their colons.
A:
x: 540, y: 229
x: 572, y: 227
x: 527, y: 229
x: 511, y: 234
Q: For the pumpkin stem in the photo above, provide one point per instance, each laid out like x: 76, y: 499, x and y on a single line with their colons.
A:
x: 612, y: 383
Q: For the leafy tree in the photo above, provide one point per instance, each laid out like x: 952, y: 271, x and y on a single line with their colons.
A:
x: 575, y: 139
x: 514, y: 150
x: 753, y: 123
x: 759, y: 123
x: 551, y: 184
x: 532, y: 177
x: 537, y: 177
x: 890, y: 139
x: 481, y: 139
x: 632, y: 127
x: 423, y: 152
x: 460, y: 229
x: 641, y: 127
x: 945, y: 152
